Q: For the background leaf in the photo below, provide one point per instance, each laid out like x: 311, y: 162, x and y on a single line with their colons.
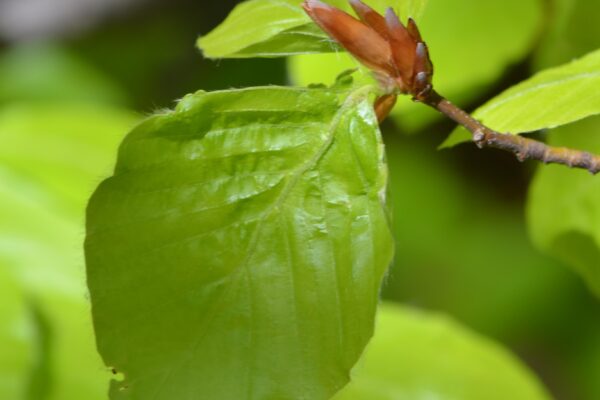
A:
x: 45, y: 71
x: 43, y: 191
x: 418, y: 356
x: 17, y: 333
x: 275, y: 28
x: 564, y: 205
x: 551, y: 98
x: 244, y: 230
x: 520, y: 285
x: 573, y: 32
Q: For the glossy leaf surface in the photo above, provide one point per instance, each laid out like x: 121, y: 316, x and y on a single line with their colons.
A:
x: 564, y: 205
x: 551, y: 98
x: 276, y: 28
x: 238, y: 250
x: 419, y: 356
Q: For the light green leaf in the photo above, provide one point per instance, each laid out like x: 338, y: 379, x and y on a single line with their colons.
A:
x: 276, y: 28
x: 50, y: 159
x: 495, y: 33
x: 417, y: 356
x: 238, y: 251
x: 551, y: 98
x: 564, y: 205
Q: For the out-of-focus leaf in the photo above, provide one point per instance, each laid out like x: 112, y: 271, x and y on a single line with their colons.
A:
x: 69, y: 153
x: 435, y: 206
x: 417, y: 356
x: 574, y: 30
x: 17, y: 334
x: 239, y: 248
x: 275, y: 28
x: 554, y: 97
x: 582, y: 360
x: 494, y: 33
x: 564, y: 205
x: 51, y: 157
x: 47, y: 72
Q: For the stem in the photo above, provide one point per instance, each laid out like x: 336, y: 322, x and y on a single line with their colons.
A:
x: 522, y: 147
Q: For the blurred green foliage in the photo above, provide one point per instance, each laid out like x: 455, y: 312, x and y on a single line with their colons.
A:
x: 462, y: 244
x: 448, y: 355
x: 572, y: 30
x: 56, y: 144
x: 49, y: 72
x: 574, y: 196
x: 18, y: 337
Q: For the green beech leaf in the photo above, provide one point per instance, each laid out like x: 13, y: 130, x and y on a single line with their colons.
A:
x: 551, y: 98
x: 418, y: 356
x: 564, y: 205
x: 496, y: 33
x: 275, y: 28
x: 238, y: 250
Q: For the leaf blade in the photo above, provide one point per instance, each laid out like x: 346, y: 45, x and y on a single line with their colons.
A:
x: 257, y: 228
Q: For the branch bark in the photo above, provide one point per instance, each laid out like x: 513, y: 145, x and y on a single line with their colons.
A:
x: 523, y: 148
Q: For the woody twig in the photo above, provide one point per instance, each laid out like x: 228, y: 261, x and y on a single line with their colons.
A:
x: 523, y: 148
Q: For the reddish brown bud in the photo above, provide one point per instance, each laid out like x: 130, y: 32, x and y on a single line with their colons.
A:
x: 360, y: 40
x: 370, y: 17
x: 384, y: 105
x: 423, y: 68
x: 413, y: 30
x: 397, y: 54
x: 403, y: 47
